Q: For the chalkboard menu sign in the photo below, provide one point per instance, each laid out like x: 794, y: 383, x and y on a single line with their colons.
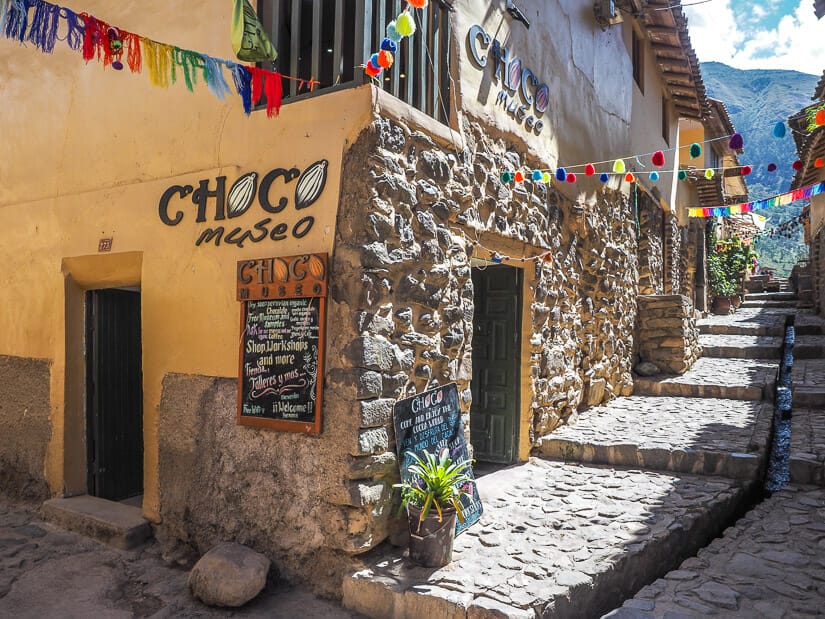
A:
x: 431, y: 421
x: 283, y: 311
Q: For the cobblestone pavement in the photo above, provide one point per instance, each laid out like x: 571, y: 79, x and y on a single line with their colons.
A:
x: 568, y: 541
x: 46, y: 572
x: 770, y: 564
x: 741, y: 346
x: 807, y: 457
x: 698, y: 435
x: 740, y: 379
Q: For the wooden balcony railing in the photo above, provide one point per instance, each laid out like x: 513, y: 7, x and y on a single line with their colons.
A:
x: 330, y: 41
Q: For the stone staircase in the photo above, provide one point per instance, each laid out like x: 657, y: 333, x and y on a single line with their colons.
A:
x: 624, y: 494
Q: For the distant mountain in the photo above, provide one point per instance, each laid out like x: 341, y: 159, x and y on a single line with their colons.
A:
x: 756, y: 100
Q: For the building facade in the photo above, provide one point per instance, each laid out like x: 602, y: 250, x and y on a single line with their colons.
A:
x: 130, y: 218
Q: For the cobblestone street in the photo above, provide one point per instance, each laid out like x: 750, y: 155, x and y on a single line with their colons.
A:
x: 46, y: 572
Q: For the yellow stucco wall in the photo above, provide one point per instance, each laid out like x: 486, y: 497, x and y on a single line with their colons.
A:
x: 87, y: 153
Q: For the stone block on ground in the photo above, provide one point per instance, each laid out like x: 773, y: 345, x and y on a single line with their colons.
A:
x: 119, y: 525
x: 229, y: 574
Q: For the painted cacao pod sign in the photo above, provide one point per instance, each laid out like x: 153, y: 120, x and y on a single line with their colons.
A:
x: 275, y: 197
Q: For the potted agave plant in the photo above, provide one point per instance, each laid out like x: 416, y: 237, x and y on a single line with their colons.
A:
x: 432, y: 495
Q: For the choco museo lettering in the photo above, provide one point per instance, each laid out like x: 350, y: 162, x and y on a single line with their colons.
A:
x: 522, y: 94
x: 211, y: 202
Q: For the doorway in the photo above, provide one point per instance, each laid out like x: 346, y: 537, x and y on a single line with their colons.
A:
x: 114, y: 394
x: 494, y: 414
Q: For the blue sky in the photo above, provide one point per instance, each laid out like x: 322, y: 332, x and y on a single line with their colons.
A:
x: 771, y: 34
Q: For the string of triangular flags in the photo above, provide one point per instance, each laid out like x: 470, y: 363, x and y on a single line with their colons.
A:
x: 43, y: 24
x: 803, y: 193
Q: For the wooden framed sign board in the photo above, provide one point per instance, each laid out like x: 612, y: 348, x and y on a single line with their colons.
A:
x: 283, y: 333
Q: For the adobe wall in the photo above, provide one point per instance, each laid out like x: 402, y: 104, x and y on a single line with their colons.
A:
x: 24, y: 418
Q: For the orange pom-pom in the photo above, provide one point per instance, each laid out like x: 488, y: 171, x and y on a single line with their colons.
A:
x: 819, y: 119
x: 819, y: 163
x: 418, y: 4
x: 629, y: 177
x: 385, y: 59
x: 519, y: 177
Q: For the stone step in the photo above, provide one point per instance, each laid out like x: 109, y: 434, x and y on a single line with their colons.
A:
x: 809, y: 324
x: 771, y: 296
x: 745, y: 322
x: 807, y: 456
x: 705, y: 436
x: 733, y: 379
x: 762, y: 567
x: 768, y: 304
x: 116, y: 524
x: 741, y: 346
x: 809, y: 347
x: 808, y: 397
x: 554, y: 541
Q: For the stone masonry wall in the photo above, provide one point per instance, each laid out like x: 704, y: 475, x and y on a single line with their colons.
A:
x: 413, y: 214
x: 674, y: 251
x: 667, y: 333
x: 651, y: 246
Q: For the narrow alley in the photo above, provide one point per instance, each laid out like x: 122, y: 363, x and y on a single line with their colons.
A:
x: 639, y: 505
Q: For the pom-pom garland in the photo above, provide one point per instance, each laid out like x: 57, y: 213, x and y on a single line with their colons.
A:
x: 392, y: 33
x: 372, y: 70
x: 604, y: 177
x: 405, y: 24
x: 819, y: 119
x: 385, y: 59
x: 771, y: 167
x: 779, y: 130
x: 629, y: 177
x: 388, y: 45
x: 695, y: 150
x: 561, y: 174
x: 797, y: 165
x: 619, y: 166
x: 746, y: 170
x: 571, y: 178
x: 589, y: 169
x: 682, y: 175
x: 537, y: 175
x: 519, y: 177
x: 736, y: 142
x: 709, y: 173
x: 654, y: 176
x: 658, y: 159
x: 820, y: 162
x: 418, y: 4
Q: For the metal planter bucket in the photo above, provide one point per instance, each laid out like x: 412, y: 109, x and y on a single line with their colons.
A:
x: 431, y: 543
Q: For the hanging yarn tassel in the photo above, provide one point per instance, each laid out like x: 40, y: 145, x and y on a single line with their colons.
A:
x: 75, y: 28
x: 43, y: 29
x: 274, y: 90
x: 243, y: 86
x: 158, y: 58
x: 257, y: 84
x: 191, y: 62
x: 4, y: 11
x: 95, y: 39
x: 213, y: 72
x: 17, y: 19
x: 134, y: 57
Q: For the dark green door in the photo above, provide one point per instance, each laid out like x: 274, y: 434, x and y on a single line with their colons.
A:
x: 496, y: 350
x: 114, y: 394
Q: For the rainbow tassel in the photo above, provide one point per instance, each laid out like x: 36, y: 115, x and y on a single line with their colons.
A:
x: 213, y: 73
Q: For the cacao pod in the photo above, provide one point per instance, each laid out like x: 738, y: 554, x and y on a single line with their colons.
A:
x: 240, y: 196
x: 311, y: 184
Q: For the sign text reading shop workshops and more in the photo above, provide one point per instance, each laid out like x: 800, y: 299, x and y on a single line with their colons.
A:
x: 283, y: 311
x: 431, y: 421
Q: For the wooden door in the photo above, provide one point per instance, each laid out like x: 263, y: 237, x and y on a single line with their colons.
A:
x: 496, y: 349
x: 114, y: 394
